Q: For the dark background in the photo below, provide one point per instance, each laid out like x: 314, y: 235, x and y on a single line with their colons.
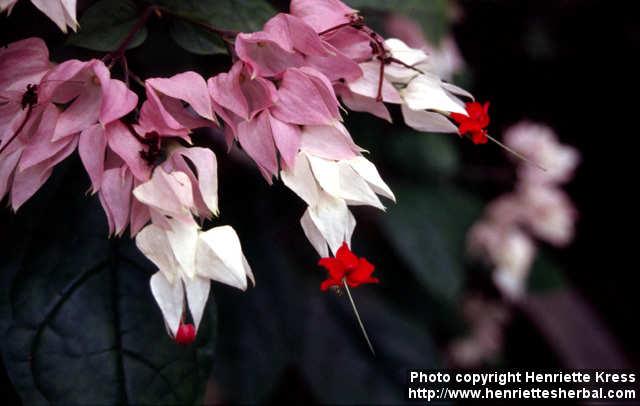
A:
x: 568, y: 63
x: 573, y: 65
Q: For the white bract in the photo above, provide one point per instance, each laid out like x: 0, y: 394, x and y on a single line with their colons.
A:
x: 61, y: 12
x: 188, y: 259
x: 410, y: 80
x: 329, y: 187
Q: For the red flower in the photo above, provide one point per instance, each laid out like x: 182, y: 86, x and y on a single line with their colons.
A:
x: 186, y: 334
x: 475, y: 123
x: 347, y: 265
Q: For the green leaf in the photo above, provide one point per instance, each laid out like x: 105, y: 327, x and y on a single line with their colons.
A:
x: 196, y: 39
x: 428, y: 227
x: 424, y: 155
x: 82, y: 326
x: 106, y: 24
x: 238, y: 15
x: 337, y: 362
x: 432, y: 15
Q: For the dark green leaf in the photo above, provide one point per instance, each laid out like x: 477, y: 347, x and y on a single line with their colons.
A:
x: 81, y: 324
x: 196, y: 39
x: 106, y: 24
x: 337, y: 361
x: 428, y: 228
x: 431, y: 14
x: 424, y: 155
x: 238, y: 15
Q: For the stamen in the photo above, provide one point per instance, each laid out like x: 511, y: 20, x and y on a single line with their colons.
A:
x: 516, y: 153
x: 355, y: 311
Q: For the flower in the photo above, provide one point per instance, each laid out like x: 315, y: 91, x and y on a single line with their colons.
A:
x: 346, y: 265
x: 61, y: 12
x: 188, y: 259
x: 550, y: 214
x: 504, y: 237
x: 444, y: 56
x: 328, y: 186
x: 164, y: 112
x: 286, y: 42
x: 322, y: 15
x: 475, y: 123
x: 540, y: 144
x: 186, y: 334
x: 267, y: 121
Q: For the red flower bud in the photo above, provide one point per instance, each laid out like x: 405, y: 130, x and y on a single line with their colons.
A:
x: 186, y: 334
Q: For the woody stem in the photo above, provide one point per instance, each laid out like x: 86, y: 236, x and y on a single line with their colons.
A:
x: 142, y: 20
x: 355, y: 311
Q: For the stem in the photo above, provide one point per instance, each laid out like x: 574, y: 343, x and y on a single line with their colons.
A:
x: 125, y: 69
x: 380, y: 80
x: 355, y: 311
x: 337, y: 27
x: 516, y: 153
x: 406, y: 65
x: 136, y: 78
x: 142, y: 20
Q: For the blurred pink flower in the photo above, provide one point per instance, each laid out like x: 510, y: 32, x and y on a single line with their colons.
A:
x: 540, y: 144
x: 550, y: 214
x: 487, y: 319
x: 503, y: 238
x: 444, y: 57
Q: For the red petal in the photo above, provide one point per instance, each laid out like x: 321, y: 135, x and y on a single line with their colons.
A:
x: 348, y: 258
x: 335, y: 267
x: 458, y: 118
x: 328, y: 283
x: 479, y: 137
x: 362, y: 274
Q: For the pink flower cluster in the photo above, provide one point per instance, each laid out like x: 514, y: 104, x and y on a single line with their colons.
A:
x: 36, y: 133
x: 536, y: 208
x: 279, y: 102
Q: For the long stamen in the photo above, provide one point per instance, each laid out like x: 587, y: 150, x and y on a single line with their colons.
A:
x: 355, y: 311
x: 516, y: 153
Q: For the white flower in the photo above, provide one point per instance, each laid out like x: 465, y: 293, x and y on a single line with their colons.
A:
x: 409, y: 80
x: 61, y: 12
x: 328, y: 187
x: 188, y: 259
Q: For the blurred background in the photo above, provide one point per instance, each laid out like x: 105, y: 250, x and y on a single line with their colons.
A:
x: 567, y: 64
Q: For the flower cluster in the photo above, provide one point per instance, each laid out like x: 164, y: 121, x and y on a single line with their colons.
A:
x: 537, y: 208
x: 280, y: 102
